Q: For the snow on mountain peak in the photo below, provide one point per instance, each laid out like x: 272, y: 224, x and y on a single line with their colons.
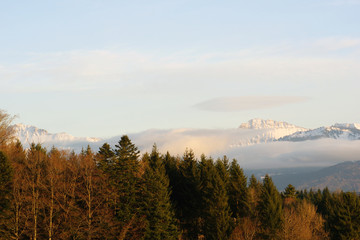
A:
x: 258, y: 123
x: 349, y: 131
x: 255, y: 131
x: 261, y: 131
x: 28, y: 134
x: 347, y: 125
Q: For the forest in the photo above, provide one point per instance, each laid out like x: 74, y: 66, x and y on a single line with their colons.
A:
x: 117, y: 193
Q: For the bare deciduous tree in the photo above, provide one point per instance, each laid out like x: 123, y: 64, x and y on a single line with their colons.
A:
x: 302, y: 222
x: 246, y: 229
x: 6, y: 130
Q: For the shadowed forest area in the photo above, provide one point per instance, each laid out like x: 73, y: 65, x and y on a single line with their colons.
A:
x: 116, y: 193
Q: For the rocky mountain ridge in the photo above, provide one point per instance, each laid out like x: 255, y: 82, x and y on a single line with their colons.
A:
x: 274, y: 138
x: 336, y: 131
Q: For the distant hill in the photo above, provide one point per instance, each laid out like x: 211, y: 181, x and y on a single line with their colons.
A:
x: 343, y: 176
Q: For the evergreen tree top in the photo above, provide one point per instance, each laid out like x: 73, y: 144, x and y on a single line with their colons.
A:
x: 268, y: 185
x: 290, y: 191
x: 253, y: 182
x: 106, y: 151
x: 126, y: 149
x: 156, y: 161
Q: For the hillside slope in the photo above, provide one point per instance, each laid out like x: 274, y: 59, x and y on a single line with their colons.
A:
x: 343, y: 176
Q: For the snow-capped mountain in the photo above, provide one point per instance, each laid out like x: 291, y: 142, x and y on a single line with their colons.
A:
x: 255, y: 144
x: 262, y: 131
x: 337, y: 131
x: 258, y: 123
x: 28, y: 134
x: 253, y: 132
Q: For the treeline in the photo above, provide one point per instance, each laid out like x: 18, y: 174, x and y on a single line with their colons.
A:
x: 118, y: 194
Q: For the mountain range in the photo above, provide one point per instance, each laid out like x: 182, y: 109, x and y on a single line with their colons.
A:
x: 337, y: 131
x: 256, y: 144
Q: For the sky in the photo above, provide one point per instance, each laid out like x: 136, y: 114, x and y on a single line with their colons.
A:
x: 103, y: 68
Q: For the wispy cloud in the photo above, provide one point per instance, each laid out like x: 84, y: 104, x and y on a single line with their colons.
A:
x: 233, y: 104
x: 337, y: 43
x: 135, y: 71
x: 71, y: 70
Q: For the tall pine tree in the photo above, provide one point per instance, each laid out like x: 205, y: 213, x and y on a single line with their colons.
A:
x: 105, y: 158
x: 254, y: 196
x: 344, y: 217
x: 222, y: 167
x: 238, y: 191
x: 161, y: 221
x: 125, y: 178
x: 216, y: 211
x: 188, y: 198
x: 270, y: 209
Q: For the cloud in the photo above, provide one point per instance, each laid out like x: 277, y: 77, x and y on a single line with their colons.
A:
x: 73, y: 71
x: 234, y: 104
x: 137, y: 72
x: 322, y: 152
x: 337, y: 43
x: 220, y: 142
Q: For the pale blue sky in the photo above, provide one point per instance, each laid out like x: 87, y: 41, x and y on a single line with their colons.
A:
x: 103, y: 68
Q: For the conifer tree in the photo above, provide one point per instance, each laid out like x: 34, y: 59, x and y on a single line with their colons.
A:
x: 105, y: 158
x: 127, y: 151
x: 172, y: 170
x: 254, y: 196
x: 188, y: 198
x: 289, y: 195
x: 5, y: 195
x: 216, y: 211
x: 125, y: 178
x: 238, y: 191
x: 161, y: 221
x: 125, y: 175
x: 270, y: 209
x: 222, y: 167
x: 303, y: 194
x: 344, y: 218
x: 254, y: 183
x: 290, y: 191
x: 324, y: 199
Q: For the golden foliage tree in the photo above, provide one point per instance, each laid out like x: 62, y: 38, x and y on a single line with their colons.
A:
x: 302, y: 222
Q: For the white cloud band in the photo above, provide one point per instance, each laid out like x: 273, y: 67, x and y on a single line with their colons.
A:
x: 233, y: 104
